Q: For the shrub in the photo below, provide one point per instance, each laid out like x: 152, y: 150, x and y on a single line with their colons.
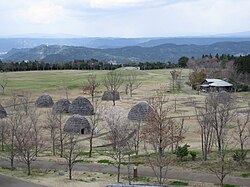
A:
x: 182, y: 151
x: 239, y: 156
x: 104, y: 161
x: 230, y: 185
x: 179, y: 183
x: 245, y: 175
x: 193, y: 155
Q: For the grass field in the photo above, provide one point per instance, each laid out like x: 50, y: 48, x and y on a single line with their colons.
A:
x: 55, y: 82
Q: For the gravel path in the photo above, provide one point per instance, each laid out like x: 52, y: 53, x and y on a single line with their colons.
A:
x: 142, y: 171
x: 6, y: 181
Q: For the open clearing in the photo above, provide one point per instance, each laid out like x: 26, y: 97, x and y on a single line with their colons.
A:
x: 55, y: 82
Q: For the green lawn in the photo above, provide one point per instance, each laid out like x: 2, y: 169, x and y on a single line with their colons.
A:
x: 54, y: 80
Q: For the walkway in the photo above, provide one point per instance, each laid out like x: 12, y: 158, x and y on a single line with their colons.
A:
x: 6, y: 181
x: 142, y: 171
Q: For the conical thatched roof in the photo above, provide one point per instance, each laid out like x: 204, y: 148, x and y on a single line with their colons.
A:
x: 81, y: 106
x: 61, y: 106
x: 3, y: 112
x: 77, y: 124
x: 44, y: 101
x: 108, y: 96
x: 140, y: 111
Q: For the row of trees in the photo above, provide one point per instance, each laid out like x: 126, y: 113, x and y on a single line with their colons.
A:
x: 113, y: 82
x: 91, y: 64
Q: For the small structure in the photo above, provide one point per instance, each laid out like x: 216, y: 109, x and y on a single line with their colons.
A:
x: 108, y: 96
x: 3, y: 112
x: 140, y: 111
x: 61, y: 106
x: 215, y: 85
x: 44, y: 101
x: 77, y: 124
x: 81, y: 106
x: 129, y: 68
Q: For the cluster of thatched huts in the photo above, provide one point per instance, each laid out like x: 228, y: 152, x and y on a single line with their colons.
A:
x: 79, y: 108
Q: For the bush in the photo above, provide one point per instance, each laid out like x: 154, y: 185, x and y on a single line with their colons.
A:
x: 179, y: 183
x: 243, y: 88
x: 239, y: 156
x: 182, y: 151
x: 230, y: 185
x: 104, y: 161
x: 245, y: 175
x: 193, y: 155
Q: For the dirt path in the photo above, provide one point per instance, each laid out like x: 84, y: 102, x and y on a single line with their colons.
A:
x: 142, y: 171
x: 6, y: 181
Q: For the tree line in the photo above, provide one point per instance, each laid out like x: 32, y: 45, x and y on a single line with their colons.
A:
x: 91, y: 64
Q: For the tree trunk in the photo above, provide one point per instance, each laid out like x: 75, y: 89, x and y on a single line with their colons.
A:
x: 70, y: 172
x: 129, y: 174
x: 91, y: 144
x: 118, y: 172
x: 113, y: 93
x: 61, y: 137
x: 131, y: 90
x: 12, y: 163
x: 53, y: 147
x: 29, y: 169
x: 2, y: 139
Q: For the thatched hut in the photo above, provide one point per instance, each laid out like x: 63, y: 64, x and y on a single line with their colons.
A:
x: 44, y: 101
x: 81, y: 106
x: 3, y: 112
x: 77, y: 124
x: 140, y: 111
x: 108, y: 96
x: 61, y: 106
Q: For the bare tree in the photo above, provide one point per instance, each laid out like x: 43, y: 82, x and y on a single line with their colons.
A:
x: 178, y: 129
x: 94, y: 123
x: 159, y: 134
x: 206, y: 130
x: 34, y: 120
x: 14, y: 121
x: 14, y: 100
x: 91, y: 85
x: 3, y: 129
x: 119, y: 134
x: 220, y: 111
x: 221, y: 169
x: 53, y: 126
x: 112, y: 81
x: 242, y: 131
x: 3, y: 81
x: 27, y: 143
x: 175, y: 75
x: 137, y: 137
x: 72, y: 151
x: 131, y: 81
x: 25, y: 101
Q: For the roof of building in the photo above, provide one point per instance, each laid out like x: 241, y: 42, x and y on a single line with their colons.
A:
x: 44, y: 101
x: 81, y: 106
x: 215, y: 82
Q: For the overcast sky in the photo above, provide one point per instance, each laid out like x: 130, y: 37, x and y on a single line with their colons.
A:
x: 124, y: 18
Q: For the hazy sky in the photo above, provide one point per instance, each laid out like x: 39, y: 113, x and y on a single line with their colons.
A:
x: 124, y: 18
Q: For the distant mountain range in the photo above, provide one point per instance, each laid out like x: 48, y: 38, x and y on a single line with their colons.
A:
x: 7, y: 44
x: 161, y: 53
